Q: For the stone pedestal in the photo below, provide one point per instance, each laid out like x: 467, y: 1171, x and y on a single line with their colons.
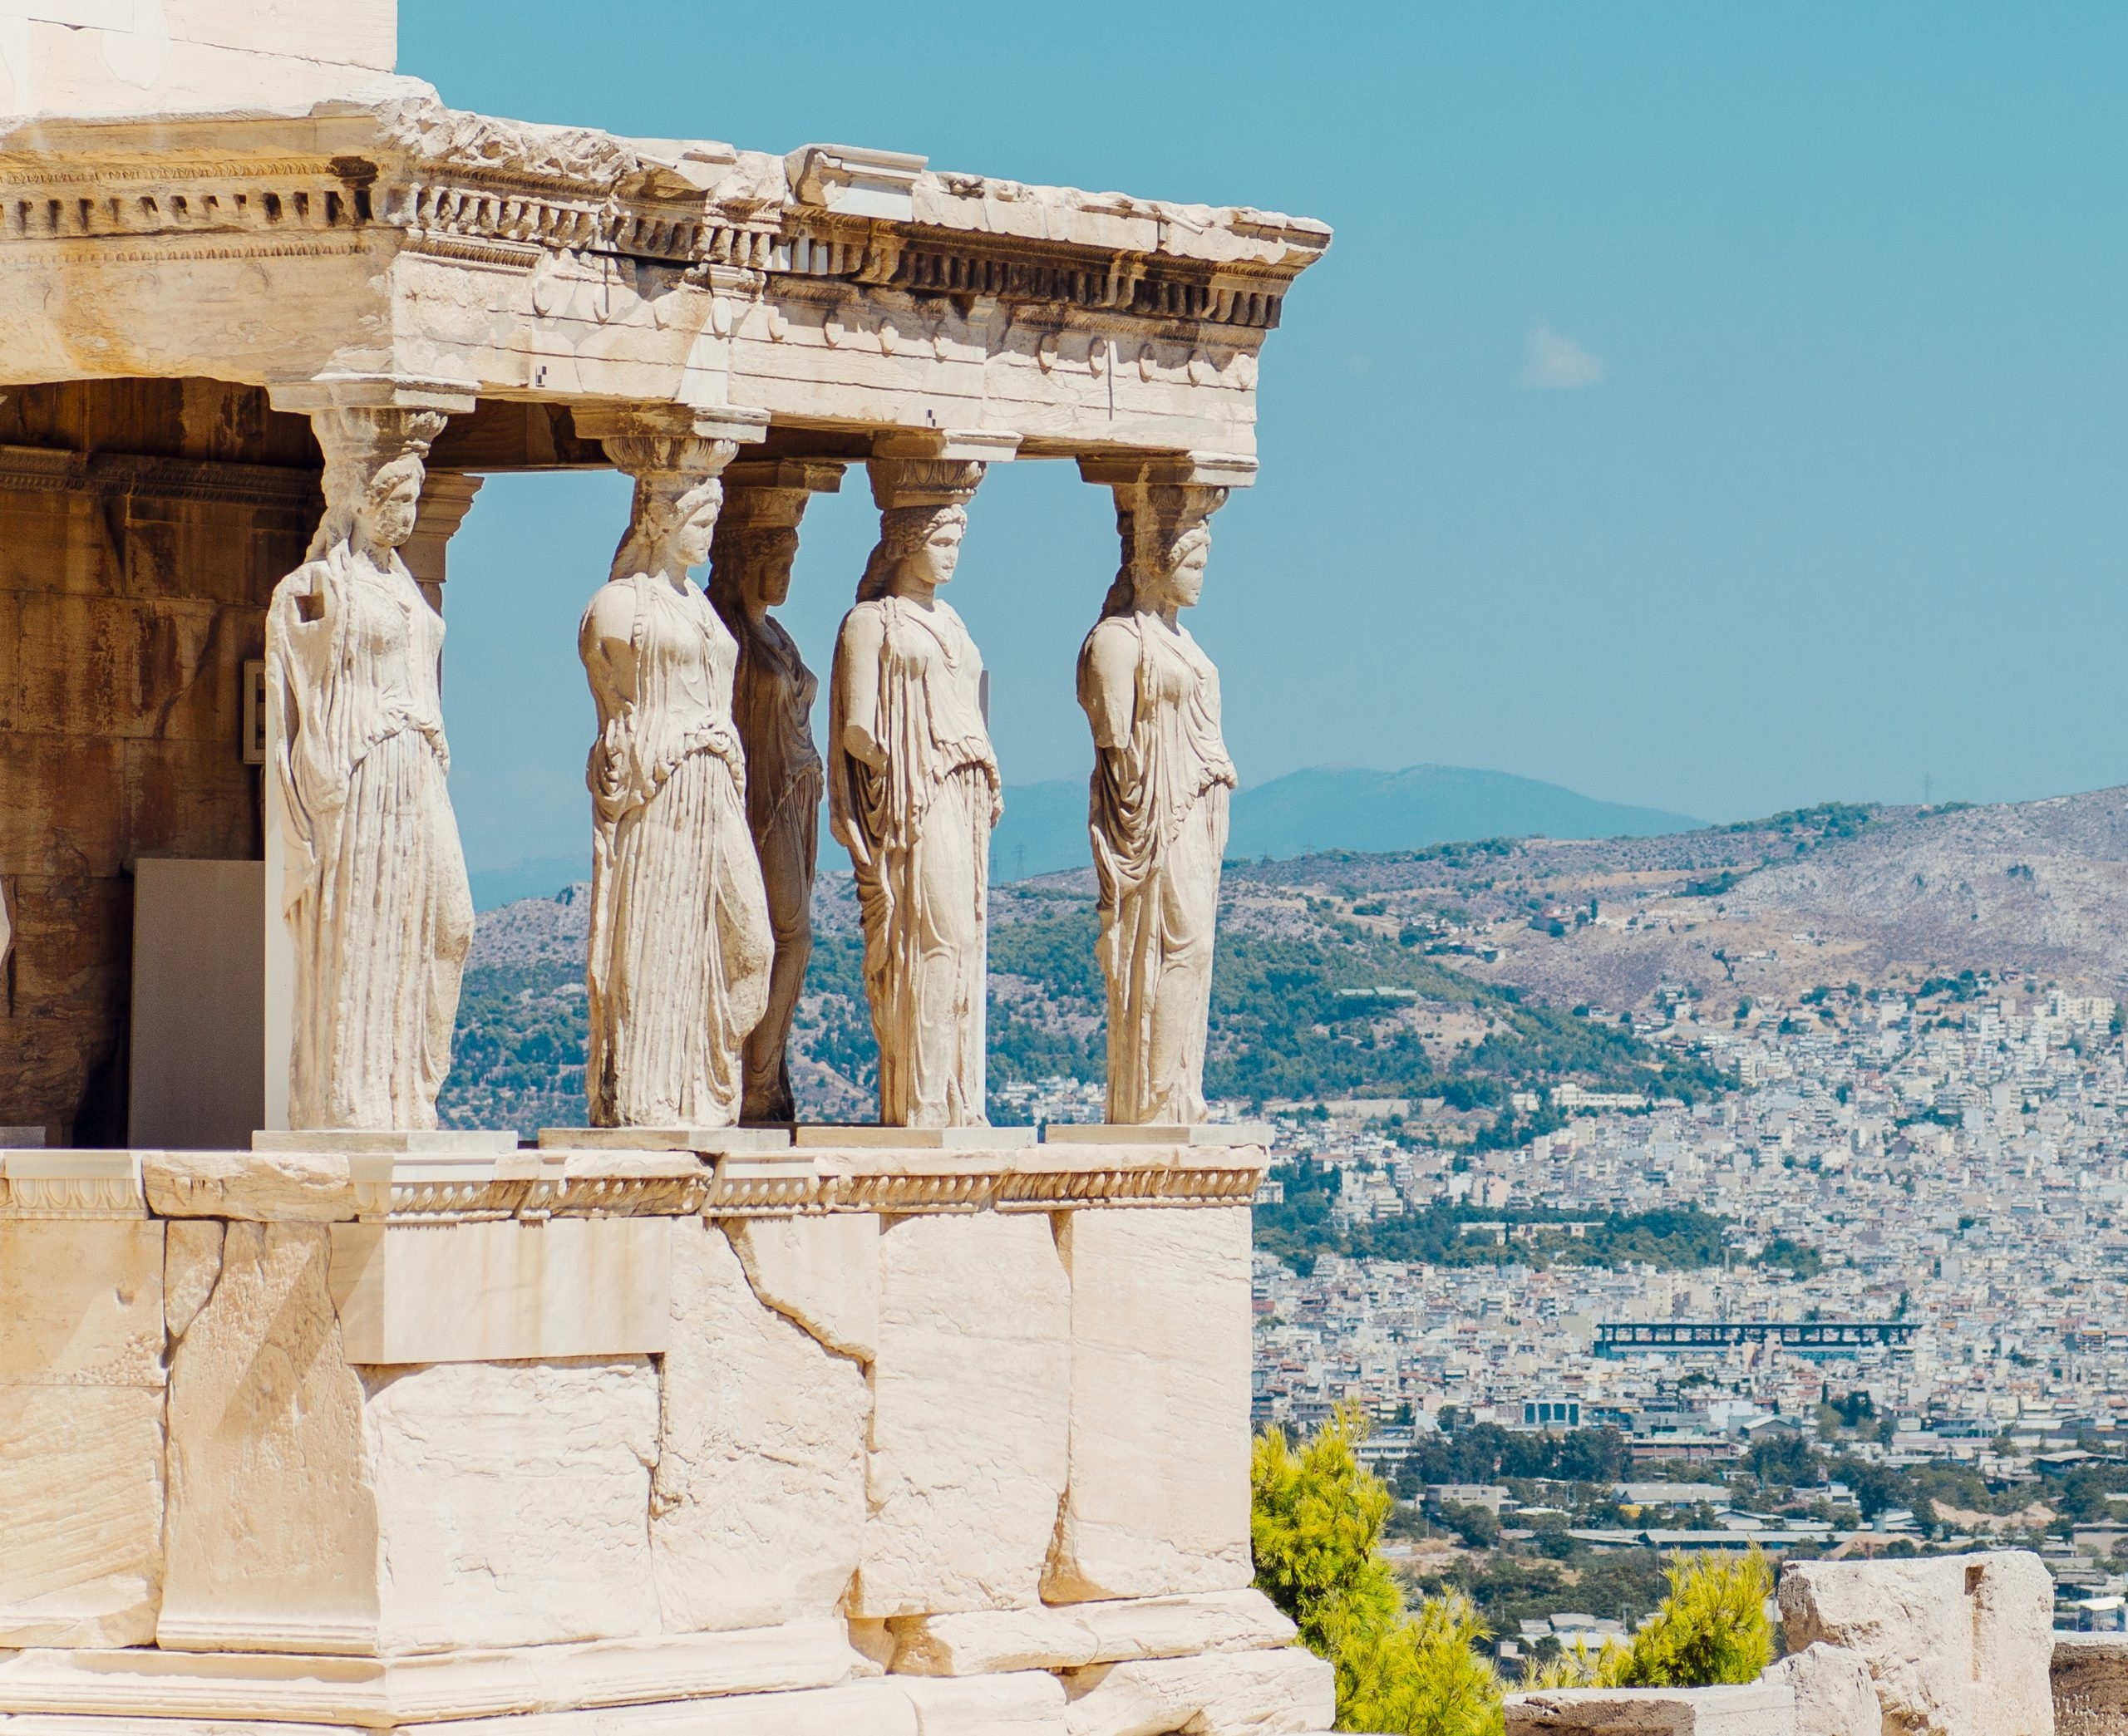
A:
x: 329, y: 1436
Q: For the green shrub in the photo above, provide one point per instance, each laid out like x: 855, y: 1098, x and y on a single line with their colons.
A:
x: 1711, y: 1628
x: 1316, y: 1517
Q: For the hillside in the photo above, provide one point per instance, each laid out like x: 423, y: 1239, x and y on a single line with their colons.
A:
x: 1877, y: 895
x: 1306, y: 1000
x: 1450, y: 978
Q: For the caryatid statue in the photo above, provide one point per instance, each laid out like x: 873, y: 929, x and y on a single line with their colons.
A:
x: 913, y: 795
x: 1158, y: 811
x: 678, y: 970
x: 772, y: 705
x: 373, y: 883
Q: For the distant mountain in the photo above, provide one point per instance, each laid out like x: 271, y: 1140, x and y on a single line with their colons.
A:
x: 1323, y: 808
x: 1337, y: 808
x: 538, y: 876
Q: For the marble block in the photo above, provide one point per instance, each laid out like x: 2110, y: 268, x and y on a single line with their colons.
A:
x: 970, y: 1394
x: 429, y: 1142
x: 1231, y: 1693
x: 866, y: 1136
x: 503, y: 1291
x: 317, y: 1506
x: 1158, y: 1497
x: 1157, y: 1133
x: 757, y: 1507
x: 1025, y: 1703
x: 715, y: 1140
x: 822, y: 1272
x: 1958, y: 1646
x: 80, y: 1431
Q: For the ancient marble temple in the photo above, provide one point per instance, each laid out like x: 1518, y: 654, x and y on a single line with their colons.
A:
x: 315, y: 1413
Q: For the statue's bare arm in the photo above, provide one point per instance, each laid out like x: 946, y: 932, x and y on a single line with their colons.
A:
x: 1110, y: 691
x: 606, y: 643
x: 857, y: 673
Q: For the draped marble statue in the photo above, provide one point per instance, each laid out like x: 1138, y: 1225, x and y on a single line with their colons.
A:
x: 678, y: 969
x: 773, y: 706
x: 373, y: 883
x: 1158, y: 809
x: 913, y: 795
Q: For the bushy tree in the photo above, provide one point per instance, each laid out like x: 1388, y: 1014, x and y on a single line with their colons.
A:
x: 1711, y: 1628
x: 1316, y: 1518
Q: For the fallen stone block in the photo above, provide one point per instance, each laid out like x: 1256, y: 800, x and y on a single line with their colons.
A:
x: 1962, y: 1645
x: 1752, y: 1708
x: 1282, y: 1693
x: 1833, y: 1693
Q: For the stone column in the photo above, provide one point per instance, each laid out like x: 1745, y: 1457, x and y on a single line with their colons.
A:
x: 369, y: 916
x: 912, y: 784
x: 1158, y: 803
x: 772, y: 705
x: 677, y: 973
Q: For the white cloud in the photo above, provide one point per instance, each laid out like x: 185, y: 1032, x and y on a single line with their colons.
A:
x: 1554, y: 363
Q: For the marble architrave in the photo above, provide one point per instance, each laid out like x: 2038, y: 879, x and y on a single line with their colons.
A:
x: 1158, y: 803
x: 681, y: 946
x: 377, y: 912
x: 771, y: 707
x: 914, y: 793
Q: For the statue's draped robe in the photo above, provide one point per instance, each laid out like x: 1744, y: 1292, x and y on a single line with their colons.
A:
x: 374, y: 886
x: 918, y: 835
x: 679, y: 955
x: 772, y: 705
x: 1158, y: 820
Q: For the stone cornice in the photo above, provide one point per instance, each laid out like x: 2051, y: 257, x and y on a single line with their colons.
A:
x: 548, y: 1184
x: 485, y: 191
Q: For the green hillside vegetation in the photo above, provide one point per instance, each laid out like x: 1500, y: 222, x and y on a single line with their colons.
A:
x: 1300, y: 1228
x: 1325, y: 1007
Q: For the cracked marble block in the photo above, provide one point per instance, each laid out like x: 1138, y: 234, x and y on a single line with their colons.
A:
x: 317, y: 1504
x: 1158, y: 1497
x: 970, y: 1396
x: 757, y: 1508
x: 80, y: 1431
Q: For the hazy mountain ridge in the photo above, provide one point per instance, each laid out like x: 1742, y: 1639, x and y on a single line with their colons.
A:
x: 1322, y: 808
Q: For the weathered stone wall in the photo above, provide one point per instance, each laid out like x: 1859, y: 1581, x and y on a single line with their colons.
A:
x: 832, y: 1466
x: 143, y: 525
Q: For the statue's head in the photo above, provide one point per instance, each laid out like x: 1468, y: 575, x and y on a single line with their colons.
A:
x: 1167, y: 543
x: 753, y: 563
x: 389, y: 503
x: 918, y: 543
x: 673, y: 523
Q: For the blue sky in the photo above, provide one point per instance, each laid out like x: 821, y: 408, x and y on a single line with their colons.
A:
x: 1715, y: 408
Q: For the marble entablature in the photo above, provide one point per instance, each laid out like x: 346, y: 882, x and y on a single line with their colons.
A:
x: 463, y: 256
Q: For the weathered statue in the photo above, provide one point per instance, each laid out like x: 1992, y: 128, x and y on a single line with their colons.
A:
x: 1158, y: 813
x: 374, y: 885
x: 913, y: 795
x: 772, y: 704
x: 680, y: 942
